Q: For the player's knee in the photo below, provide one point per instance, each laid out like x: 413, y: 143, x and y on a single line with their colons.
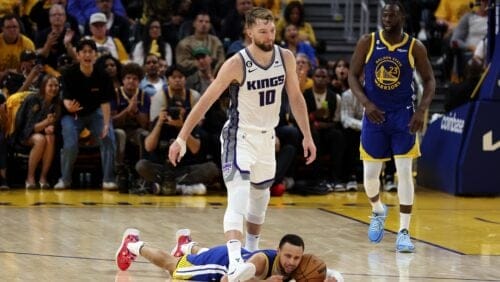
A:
x: 233, y: 220
x: 259, y: 199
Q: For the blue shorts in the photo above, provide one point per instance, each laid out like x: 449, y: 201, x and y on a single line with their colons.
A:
x: 392, y: 138
x: 207, y: 266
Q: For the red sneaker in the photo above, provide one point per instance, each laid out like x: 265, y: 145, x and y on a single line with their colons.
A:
x: 124, y: 257
x: 183, y: 237
x: 278, y: 190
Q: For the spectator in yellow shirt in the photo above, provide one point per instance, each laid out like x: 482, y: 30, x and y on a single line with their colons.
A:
x: 449, y: 12
x: 294, y: 13
x: 12, y: 43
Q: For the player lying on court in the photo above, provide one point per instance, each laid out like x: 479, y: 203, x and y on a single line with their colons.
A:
x: 188, y: 261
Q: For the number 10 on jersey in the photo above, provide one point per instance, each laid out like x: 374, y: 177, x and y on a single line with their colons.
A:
x: 267, y: 97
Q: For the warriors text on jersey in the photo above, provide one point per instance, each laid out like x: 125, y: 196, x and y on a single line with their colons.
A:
x: 389, y: 72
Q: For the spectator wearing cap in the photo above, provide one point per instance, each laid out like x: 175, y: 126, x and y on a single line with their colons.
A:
x: 21, y: 79
x: 82, y: 10
x: 201, y: 37
x: 152, y: 43
x: 204, y: 75
x: 117, y: 25
x: 12, y: 43
x: 58, y: 39
x: 105, y: 43
x: 31, y: 70
x: 87, y: 93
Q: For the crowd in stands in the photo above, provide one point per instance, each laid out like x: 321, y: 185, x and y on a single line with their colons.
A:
x: 156, y: 58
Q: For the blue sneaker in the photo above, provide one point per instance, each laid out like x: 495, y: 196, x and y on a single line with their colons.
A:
x: 403, y: 242
x: 376, y: 229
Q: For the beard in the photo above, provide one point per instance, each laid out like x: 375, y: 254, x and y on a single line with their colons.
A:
x: 264, y: 47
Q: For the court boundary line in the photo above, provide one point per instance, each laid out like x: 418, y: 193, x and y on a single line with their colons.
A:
x: 393, y: 232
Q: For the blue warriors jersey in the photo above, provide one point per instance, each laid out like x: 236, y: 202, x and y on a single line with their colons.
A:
x: 212, y: 264
x: 389, y: 73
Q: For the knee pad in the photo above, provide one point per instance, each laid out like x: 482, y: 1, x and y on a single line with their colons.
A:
x: 371, y: 171
x: 257, y: 206
x: 237, y: 203
x: 406, y: 190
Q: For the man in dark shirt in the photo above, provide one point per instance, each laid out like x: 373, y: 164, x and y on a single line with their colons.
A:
x: 86, y: 96
x: 58, y: 39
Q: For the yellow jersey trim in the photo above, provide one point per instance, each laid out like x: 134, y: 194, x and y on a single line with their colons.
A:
x: 410, y: 54
x: 183, y: 262
x: 413, y: 153
x: 370, y: 51
x: 391, y: 47
x: 367, y: 157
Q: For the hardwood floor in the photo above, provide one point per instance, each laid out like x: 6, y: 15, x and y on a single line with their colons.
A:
x: 73, y: 235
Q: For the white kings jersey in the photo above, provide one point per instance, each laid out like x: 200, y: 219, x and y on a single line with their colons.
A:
x: 255, y: 103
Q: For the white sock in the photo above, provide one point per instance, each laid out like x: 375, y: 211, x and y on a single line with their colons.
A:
x: 332, y: 273
x: 252, y: 242
x: 377, y: 207
x: 404, y: 221
x: 234, y: 251
x: 135, y: 247
x: 202, y: 250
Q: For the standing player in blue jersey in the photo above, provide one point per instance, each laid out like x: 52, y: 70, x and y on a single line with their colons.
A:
x: 255, y: 77
x: 387, y: 60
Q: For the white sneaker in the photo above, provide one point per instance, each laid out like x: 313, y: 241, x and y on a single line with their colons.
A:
x: 339, y: 187
x: 195, y: 189
x: 390, y: 186
x: 289, y: 182
x: 124, y: 257
x: 60, y: 185
x: 351, y: 186
x: 187, y: 249
x: 109, y: 186
x: 241, y: 272
x: 199, y: 189
x: 182, y: 236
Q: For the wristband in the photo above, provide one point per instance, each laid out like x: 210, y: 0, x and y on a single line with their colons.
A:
x: 181, y: 143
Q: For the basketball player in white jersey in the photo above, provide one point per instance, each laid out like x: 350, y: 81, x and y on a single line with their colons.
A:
x: 255, y: 76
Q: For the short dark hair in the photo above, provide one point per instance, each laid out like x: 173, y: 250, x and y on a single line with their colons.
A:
x: 292, y: 239
x: 86, y: 42
x: 398, y: 3
x: 10, y: 16
x: 288, y: 11
x: 133, y: 69
x: 170, y: 70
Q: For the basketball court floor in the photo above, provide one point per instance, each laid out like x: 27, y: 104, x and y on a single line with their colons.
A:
x: 73, y: 235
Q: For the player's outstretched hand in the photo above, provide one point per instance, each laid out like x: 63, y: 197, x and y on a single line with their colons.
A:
x: 176, y: 151
x: 309, y: 150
